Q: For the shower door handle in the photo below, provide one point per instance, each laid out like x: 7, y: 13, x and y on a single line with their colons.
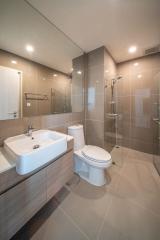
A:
x: 157, y: 120
x: 13, y: 113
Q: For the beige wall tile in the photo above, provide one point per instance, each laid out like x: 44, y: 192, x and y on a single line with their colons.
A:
x: 143, y: 97
x: 58, y: 122
x: 95, y: 133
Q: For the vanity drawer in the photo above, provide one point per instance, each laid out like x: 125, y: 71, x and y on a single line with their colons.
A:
x: 58, y: 173
x: 20, y: 203
x: 10, y: 178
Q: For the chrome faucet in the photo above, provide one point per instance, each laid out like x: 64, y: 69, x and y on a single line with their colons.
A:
x: 29, y: 130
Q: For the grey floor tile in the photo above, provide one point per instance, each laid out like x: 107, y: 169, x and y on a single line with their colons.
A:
x: 111, y: 233
x: 87, y: 205
x: 58, y: 227
x: 126, y: 220
x: 133, y: 154
x: 139, y: 183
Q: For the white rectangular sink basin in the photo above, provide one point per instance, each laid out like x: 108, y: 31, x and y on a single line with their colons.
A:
x: 33, y: 152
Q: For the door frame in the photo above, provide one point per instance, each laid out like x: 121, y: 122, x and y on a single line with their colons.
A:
x: 20, y: 73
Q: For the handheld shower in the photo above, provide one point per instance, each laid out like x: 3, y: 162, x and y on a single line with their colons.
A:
x: 114, y: 80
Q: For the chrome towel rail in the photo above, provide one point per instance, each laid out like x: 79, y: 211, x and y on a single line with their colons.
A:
x: 35, y: 96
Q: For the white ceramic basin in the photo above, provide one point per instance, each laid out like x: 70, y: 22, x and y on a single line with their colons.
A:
x: 33, y: 152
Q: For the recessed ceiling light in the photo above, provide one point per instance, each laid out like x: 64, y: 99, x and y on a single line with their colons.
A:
x: 106, y: 70
x: 139, y: 76
x: 14, y: 62
x: 55, y: 75
x: 79, y: 72
x: 29, y: 48
x: 136, y: 64
x: 132, y: 49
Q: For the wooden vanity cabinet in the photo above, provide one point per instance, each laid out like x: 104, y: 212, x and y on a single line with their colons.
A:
x: 58, y: 174
x: 21, y: 202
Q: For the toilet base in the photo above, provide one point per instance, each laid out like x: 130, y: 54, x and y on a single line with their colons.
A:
x: 93, y: 175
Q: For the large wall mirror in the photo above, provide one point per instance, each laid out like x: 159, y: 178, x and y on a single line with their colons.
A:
x: 41, y: 69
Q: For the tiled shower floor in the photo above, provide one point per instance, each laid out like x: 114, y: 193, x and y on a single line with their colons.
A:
x: 128, y: 207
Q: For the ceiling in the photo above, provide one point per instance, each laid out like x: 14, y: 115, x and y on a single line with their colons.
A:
x: 116, y: 24
x: 21, y: 24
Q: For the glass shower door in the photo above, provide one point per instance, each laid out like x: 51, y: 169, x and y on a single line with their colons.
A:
x: 156, y: 120
x: 113, y: 139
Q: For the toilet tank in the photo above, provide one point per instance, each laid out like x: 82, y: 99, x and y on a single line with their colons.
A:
x: 76, y: 131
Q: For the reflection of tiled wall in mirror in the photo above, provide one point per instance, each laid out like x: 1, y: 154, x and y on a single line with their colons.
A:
x: 40, y: 81
x: 77, y: 84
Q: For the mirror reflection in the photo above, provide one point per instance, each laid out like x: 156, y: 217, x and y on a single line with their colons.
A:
x: 41, y: 72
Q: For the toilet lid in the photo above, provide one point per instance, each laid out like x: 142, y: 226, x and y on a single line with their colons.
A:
x: 95, y: 153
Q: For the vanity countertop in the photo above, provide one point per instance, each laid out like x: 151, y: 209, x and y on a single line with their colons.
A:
x: 6, y: 161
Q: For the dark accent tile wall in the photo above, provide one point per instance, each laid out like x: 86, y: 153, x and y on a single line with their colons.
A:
x: 100, y: 131
x: 95, y: 98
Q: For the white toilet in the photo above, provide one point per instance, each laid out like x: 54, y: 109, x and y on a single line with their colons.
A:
x: 90, y: 161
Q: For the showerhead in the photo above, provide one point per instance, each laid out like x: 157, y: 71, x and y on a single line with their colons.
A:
x: 119, y: 77
x: 114, y: 80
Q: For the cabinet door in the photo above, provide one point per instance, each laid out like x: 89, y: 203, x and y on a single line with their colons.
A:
x: 58, y: 173
x: 20, y: 203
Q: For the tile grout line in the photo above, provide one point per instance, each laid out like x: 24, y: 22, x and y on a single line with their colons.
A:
x: 105, y: 215
x: 73, y: 222
x: 144, y: 208
x: 139, y: 204
x: 101, y: 227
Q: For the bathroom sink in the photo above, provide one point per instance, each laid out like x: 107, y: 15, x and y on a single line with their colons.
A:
x: 32, y: 152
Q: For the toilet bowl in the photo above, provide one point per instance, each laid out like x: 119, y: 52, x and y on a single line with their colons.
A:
x: 90, y: 161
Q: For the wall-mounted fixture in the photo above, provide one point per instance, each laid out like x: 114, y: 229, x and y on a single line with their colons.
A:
x: 35, y: 96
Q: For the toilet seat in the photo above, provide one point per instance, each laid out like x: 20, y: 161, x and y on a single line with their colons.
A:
x: 96, y: 154
x: 90, y: 164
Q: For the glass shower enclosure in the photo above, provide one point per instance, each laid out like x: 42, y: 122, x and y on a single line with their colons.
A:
x: 156, y: 120
x: 113, y: 139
